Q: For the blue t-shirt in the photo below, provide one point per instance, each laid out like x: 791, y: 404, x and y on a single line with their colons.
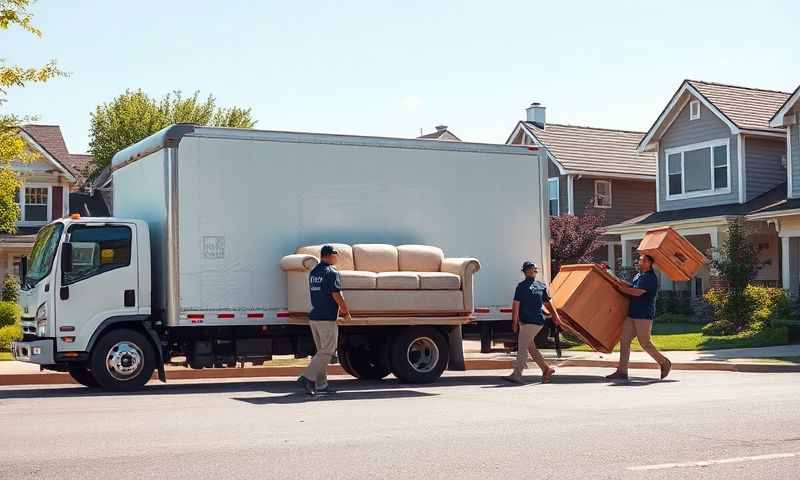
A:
x: 644, y: 306
x: 531, y: 296
x: 322, y: 282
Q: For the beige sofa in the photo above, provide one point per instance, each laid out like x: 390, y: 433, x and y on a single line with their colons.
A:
x: 384, y: 279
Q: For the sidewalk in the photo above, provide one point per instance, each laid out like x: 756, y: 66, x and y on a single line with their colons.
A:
x: 734, y: 360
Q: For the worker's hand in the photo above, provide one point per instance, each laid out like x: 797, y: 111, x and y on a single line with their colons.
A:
x: 557, y: 320
x: 343, y: 310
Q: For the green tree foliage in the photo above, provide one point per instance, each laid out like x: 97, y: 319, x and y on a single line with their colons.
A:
x: 10, y: 292
x: 15, y: 13
x: 134, y: 115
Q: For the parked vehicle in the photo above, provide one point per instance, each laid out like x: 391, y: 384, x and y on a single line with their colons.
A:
x: 189, y: 267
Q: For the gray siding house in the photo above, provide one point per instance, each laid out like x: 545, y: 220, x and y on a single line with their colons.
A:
x: 595, y: 168
x: 719, y: 159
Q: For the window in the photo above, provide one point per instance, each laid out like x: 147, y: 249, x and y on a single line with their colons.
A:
x: 698, y: 170
x: 553, y: 195
x: 97, y: 250
x: 602, y: 193
x: 694, y: 110
x: 35, y: 204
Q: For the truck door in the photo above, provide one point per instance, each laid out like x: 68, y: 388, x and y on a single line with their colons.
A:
x: 103, y: 282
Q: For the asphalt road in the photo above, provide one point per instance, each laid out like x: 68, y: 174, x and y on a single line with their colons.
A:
x: 742, y: 425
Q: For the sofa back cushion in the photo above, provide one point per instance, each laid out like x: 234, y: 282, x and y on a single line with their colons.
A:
x: 419, y: 258
x: 345, y: 254
x: 374, y: 257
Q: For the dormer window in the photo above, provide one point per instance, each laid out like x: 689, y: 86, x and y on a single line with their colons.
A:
x: 694, y: 110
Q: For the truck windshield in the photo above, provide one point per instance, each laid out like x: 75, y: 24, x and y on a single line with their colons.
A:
x: 44, y: 250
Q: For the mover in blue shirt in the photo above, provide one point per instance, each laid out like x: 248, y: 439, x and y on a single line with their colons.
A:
x: 527, y: 318
x: 639, y: 322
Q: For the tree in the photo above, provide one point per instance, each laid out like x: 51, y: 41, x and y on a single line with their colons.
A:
x: 134, y: 115
x: 574, y: 238
x: 12, y: 147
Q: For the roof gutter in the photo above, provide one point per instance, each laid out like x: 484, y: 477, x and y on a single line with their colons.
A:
x: 775, y: 214
x: 688, y: 223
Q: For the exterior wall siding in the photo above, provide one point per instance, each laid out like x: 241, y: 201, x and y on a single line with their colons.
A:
x: 686, y: 132
x: 763, y: 169
x: 629, y: 198
x: 795, y: 153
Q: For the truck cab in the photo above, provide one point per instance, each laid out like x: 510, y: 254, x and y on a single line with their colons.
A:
x: 86, y: 279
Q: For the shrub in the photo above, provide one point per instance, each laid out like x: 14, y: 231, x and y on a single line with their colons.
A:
x: 673, y: 302
x: 669, y: 317
x: 758, y: 304
x: 10, y: 291
x: 737, y: 265
x: 9, y: 334
x: 9, y: 314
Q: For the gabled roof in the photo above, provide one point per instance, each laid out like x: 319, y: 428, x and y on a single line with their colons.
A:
x: 50, y: 140
x: 441, y: 133
x: 743, y: 109
x: 792, y: 104
x: 593, y: 151
x: 80, y: 163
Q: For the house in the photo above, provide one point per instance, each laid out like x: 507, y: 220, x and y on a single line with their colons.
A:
x: 441, y: 133
x: 45, y: 192
x: 719, y: 159
x: 592, y: 167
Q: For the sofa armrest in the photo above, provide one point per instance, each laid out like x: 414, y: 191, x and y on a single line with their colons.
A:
x: 298, y: 263
x: 460, y: 266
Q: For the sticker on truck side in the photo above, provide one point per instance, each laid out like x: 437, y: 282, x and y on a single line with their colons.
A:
x: 213, y: 246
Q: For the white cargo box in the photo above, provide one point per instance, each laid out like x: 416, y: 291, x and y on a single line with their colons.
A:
x: 224, y: 205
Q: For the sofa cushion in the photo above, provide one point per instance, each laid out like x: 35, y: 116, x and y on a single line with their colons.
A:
x: 405, y: 301
x: 345, y: 254
x: 419, y: 258
x: 374, y: 257
x: 358, y: 280
x: 398, y: 281
x: 439, y: 281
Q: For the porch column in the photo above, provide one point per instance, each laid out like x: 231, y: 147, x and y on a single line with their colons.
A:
x: 786, y: 277
x: 611, y: 260
x: 627, y: 256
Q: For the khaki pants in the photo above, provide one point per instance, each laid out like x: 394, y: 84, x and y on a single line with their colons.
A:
x: 639, y: 328
x: 526, y: 345
x: 326, y: 336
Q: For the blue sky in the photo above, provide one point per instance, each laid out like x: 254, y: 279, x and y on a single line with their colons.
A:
x: 391, y: 68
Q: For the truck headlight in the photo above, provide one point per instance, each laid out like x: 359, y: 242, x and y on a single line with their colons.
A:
x: 41, y: 320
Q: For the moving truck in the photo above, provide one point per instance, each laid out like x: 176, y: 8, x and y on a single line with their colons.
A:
x: 188, y: 268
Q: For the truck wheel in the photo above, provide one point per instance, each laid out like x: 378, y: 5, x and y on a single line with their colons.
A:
x: 82, y: 375
x: 123, y: 360
x: 365, y: 362
x: 419, y: 355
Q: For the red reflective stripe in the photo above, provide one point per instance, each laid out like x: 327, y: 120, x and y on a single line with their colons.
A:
x: 195, y: 316
x: 255, y: 315
x: 225, y: 315
x: 482, y: 310
x: 505, y: 310
x: 282, y: 314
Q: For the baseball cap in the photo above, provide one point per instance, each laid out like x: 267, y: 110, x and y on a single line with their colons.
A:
x: 528, y: 265
x: 327, y: 250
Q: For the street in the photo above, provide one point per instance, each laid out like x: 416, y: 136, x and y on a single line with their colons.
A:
x: 468, y: 425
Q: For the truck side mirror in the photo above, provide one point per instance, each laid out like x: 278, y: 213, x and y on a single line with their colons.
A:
x: 66, y: 258
x: 23, y: 268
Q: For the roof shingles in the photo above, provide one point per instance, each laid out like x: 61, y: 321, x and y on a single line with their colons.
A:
x: 49, y: 137
x: 748, y: 108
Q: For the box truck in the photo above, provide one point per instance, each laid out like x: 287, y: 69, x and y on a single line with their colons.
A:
x: 188, y: 268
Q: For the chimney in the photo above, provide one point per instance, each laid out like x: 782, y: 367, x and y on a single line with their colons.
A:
x: 441, y: 128
x: 536, y: 114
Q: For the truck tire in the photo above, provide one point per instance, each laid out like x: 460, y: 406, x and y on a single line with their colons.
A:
x: 83, y: 375
x: 419, y: 355
x: 365, y: 362
x: 122, y: 360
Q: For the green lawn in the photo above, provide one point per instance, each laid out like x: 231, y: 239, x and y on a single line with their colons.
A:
x: 687, y: 336
x: 5, y: 356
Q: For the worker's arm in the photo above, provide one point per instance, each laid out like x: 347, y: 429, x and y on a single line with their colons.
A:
x: 515, y: 316
x: 553, y: 312
x: 339, y: 299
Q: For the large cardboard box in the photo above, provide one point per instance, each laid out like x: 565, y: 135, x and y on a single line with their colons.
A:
x: 674, y: 255
x: 592, y: 304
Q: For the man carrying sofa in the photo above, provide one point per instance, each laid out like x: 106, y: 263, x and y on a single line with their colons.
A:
x: 327, y: 301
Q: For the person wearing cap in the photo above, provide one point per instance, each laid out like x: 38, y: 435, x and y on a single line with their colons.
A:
x: 327, y: 302
x: 639, y: 321
x: 527, y: 318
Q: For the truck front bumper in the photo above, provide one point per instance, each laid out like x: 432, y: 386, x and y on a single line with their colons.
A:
x: 40, y: 352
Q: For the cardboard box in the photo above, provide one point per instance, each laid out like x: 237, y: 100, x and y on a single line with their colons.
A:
x: 674, y: 255
x: 592, y: 304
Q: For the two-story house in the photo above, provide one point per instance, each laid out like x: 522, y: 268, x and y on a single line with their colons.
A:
x: 719, y: 159
x: 44, y: 194
x: 594, y: 168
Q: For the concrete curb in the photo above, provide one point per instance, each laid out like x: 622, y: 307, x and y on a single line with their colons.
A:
x: 55, y: 378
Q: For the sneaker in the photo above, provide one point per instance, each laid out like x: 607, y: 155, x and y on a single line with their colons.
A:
x: 326, y: 391
x: 617, y: 376
x: 308, y: 385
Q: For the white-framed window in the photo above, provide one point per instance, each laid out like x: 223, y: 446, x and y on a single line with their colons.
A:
x: 698, y: 170
x: 694, y: 110
x: 553, y: 196
x: 35, y: 204
x: 602, y: 193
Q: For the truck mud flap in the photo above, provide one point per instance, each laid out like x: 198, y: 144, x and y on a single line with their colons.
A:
x: 456, y: 341
x: 162, y: 374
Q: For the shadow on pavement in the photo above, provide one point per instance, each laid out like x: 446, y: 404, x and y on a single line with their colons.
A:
x: 640, y: 382
x: 296, y: 397
x: 533, y: 380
